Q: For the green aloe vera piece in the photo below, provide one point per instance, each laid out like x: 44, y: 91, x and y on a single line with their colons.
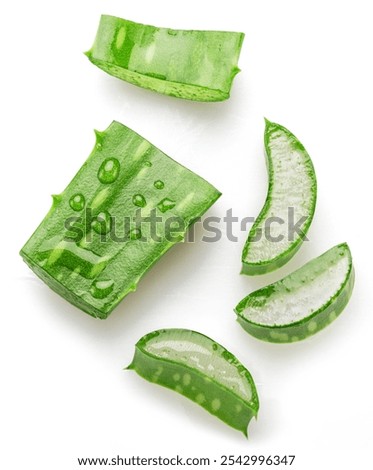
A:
x: 194, y: 65
x: 200, y: 369
x: 97, y: 257
x: 302, y: 303
x: 288, y: 211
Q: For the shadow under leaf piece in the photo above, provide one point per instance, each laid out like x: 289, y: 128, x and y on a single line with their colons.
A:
x: 115, y: 220
x: 302, y: 303
x: 200, y: 369
x: 286, y: 216
x: 194, y: 65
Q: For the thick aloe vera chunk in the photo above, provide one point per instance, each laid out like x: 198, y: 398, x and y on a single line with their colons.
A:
x: 301, y: 304
x: 288, y: 211
x: 195, y: 65
x: 97, y: 259
x: 200, y: 369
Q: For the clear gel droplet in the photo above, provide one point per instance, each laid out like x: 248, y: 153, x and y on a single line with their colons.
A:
x: 109, y: 171
x: 77, y: 202
x: 101, y: 289
x: 139, y: 200
x: 159, y: 184
x: 166, y: 204
x: 102, y: 223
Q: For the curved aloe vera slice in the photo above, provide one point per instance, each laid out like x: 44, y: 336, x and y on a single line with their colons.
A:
x: 301, y: 304
x: 289, y: 207
x: 200, y: 369
x: 195, y: 65
x: 114, y: 221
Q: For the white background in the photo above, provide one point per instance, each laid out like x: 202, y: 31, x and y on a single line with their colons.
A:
x: 306, y: 65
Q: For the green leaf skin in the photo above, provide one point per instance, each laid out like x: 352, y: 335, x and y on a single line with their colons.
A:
x: 123, y: 175
x: 302, y: 303
x: 200, y: 369
x: 194, y: 65
x: 292, y: 184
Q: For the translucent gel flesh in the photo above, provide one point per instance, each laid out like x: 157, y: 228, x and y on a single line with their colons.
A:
x: 299, y: 295
x: 210, y: 359
x: 293, y: 184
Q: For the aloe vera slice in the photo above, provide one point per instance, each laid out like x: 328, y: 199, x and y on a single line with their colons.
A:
x: 200, y: 369
x: 95, y: 260
x: 288, y: 211
x: 194, y: 65
x: 302, y: 303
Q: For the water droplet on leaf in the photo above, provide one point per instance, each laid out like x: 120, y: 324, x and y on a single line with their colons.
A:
x: 139, y: 200
x: 102, y: 223
x: 159, y: 184
x: 166, y: 204
x: 77, y: 202
x: 109, y: 171
x: 101, y: 289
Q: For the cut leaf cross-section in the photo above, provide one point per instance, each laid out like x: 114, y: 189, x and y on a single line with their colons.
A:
x: 200, y: 369
x: 288, y: 211
x: 302, y: 303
